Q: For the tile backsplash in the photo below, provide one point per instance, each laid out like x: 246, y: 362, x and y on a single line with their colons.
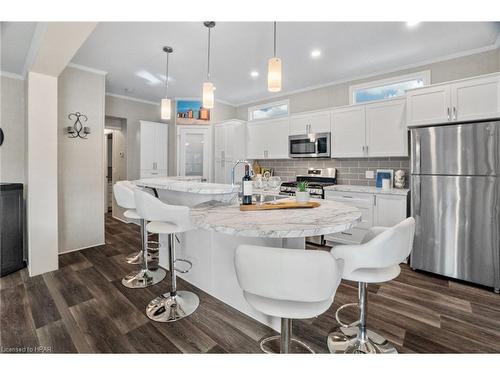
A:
x: 349, y: 171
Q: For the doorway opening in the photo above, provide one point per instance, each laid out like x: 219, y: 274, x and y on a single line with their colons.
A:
x: 115, y: 162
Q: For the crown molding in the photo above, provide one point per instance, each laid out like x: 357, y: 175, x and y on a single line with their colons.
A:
x: 131, y: 98
x: 86, y: 69
x: 376, y: 74
x: 11, y: 75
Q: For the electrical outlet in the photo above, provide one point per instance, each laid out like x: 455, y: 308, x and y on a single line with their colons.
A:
x: 369, y: 174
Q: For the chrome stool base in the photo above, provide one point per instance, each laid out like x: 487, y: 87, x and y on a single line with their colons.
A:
x: 167, y: 308
x: 271, y: 345
x: 345, y: 340
x: 134, y: 258
x: 144, y: 278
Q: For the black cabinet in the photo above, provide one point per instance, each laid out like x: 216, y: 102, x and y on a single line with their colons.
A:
x: 11, y: 228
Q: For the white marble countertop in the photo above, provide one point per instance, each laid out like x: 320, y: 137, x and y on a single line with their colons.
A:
x: 186, y: 186
x: 367, y: 189
x: 330, y: 217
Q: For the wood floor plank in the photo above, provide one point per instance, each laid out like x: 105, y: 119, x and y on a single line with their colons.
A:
x: 99, y: 329
x: 16, y: 322
x: 72, y: 289
x: 54, y: 338
x: 77, y: 337
x: 43, y: 308
x: 112, y: 301
x: 147, y: 339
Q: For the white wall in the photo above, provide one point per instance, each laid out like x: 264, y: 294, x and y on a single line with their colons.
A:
x: 338, y: 95
x: 80, y: 161
x: 13, y: 124
x: 41, y: 173
x: 133, y: 112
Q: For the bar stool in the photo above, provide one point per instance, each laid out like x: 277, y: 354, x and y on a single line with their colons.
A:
x: 124, y: 195
x: 168, y: 219
x: 289, y: 284
x: 136, y: 257
x: 376, y: 260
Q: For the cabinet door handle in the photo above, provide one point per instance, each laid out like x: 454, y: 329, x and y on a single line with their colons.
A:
x: 346, y: 196
x: 448, y: 113
x: 454, y: 113
x: 346, y: 233
x: 374, y: 200
x: 367, y: 149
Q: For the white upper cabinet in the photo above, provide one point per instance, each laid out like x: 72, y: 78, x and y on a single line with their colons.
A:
x: 348, y: 132
x: 464, y: 100
x: 229, y: 146
x: 314, y: 122
x: 154, y: 149
x: 430, y: 105
x: 267, y: 139
x: 476, y: 99
x: 386, y: 132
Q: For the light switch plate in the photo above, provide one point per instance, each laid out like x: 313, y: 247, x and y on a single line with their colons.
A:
x: 369, y: 174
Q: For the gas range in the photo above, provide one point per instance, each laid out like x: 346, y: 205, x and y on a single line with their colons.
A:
x: 317, y: 179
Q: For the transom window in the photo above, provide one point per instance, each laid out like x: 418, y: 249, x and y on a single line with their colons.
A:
x: 268, y: 111
x: 387, y: 88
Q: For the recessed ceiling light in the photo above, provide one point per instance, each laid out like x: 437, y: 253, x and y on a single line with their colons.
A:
x: 412, y: 23
x: 254, y: 73
x: 315, y: 53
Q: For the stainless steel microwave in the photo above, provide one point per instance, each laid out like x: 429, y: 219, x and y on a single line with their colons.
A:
x: 315, y: 145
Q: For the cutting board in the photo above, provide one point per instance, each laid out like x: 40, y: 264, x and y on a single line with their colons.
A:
x: 278, y: 206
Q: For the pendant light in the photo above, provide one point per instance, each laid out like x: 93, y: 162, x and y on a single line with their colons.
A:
x: 274, y: 70
x: 208, y: 87
x: 166, y: 103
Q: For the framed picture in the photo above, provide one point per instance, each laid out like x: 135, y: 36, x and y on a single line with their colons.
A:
x: 384, y: 174
x: 191, y: 112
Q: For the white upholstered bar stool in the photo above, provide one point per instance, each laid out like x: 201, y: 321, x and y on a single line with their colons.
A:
x: 124, y: 202
x: 289, y: 284
x: 375, y: 260
x: 124, y: 195
x: 167, y: 219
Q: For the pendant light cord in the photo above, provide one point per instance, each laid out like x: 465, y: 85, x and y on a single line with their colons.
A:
x: 166, y: 78
x: 208, y: 65
x: 274, y: 38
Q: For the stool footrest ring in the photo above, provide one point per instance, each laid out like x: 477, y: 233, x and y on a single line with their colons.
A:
x: 348, y: 325
x: 189, y: 263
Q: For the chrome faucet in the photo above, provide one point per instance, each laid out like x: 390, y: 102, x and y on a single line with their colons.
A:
x: 236, y: 164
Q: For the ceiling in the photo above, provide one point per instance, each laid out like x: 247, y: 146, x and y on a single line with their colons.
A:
x: 131, y: 53
x: 15, y: 43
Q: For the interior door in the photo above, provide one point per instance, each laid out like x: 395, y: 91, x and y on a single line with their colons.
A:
x: 348, y: 132
x: 457, y: 227
x: 386, y: 132
x: 194, y: 152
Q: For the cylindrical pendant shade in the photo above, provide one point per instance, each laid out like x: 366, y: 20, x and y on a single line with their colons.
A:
x: 274, y: 74
x: 208, y: 95
x: 166, y: 106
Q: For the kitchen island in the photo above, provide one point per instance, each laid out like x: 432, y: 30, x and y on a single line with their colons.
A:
x: 219, y: 227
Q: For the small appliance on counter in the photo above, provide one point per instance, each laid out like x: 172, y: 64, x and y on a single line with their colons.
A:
x: 11, y: 228
x: 317, y: 180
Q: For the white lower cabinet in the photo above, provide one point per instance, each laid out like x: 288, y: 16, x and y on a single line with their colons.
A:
x: 376, y: 209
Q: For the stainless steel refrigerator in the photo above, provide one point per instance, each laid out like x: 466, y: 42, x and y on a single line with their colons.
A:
x: 455, y: 183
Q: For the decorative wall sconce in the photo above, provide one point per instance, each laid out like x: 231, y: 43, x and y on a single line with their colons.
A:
x: 78, y: 130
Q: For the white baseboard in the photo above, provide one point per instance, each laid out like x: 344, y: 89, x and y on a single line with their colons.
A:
x: 81, y: 248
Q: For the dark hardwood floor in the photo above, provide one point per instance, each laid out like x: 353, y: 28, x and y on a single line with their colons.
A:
x: 82, y: 307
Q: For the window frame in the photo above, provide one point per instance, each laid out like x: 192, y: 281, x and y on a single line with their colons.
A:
x: 425, y: 75
x: 267, y: 105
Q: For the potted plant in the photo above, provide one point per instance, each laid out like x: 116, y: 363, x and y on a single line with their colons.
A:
x: 302, y: 195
